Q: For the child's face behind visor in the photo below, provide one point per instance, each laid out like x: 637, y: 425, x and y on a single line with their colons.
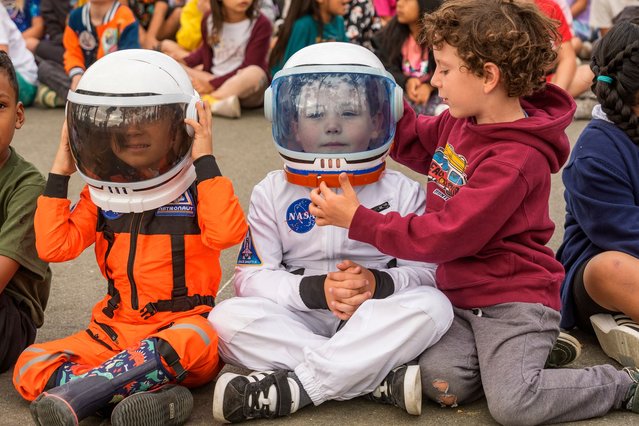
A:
x: 334, y: 117
x: 144, y: 146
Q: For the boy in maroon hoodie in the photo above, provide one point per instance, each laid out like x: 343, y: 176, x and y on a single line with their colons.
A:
x: 489, y: 160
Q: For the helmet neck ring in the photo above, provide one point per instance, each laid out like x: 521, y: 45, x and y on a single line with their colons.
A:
x: 313, y: 180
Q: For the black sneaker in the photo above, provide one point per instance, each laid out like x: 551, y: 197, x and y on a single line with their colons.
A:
x: 237, y: 398
x: 566, y: 349
x: 166, y: 405
x: 402, y: 388
x: 631, y: 401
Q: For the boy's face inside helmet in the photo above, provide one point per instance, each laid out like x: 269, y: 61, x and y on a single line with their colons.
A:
x: 127, y: 144
x: 332, y: 113
x: 145, y: 146
x: 334, y: 117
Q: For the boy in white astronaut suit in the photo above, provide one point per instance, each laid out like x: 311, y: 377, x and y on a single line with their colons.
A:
x: 332, y: 318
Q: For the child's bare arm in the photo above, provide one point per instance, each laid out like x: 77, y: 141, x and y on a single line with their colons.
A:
x: 8, y: 268
x: 157, y: 20
x: 566, y: 66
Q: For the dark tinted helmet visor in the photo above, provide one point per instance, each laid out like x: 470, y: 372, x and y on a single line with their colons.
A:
x: 127, y: 143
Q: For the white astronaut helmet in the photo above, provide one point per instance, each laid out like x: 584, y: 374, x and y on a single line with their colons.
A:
x: 127, y: 132
x: 334, y: 109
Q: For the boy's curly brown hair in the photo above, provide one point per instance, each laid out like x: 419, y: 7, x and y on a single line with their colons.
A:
x: 514, y: 35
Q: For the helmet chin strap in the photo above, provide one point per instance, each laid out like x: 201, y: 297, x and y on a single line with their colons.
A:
x: 313, y: 180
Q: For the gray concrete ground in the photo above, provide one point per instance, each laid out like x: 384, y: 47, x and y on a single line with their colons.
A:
x: 245, y: 154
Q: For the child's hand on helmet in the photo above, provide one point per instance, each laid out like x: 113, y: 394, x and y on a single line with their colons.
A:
x: 63, y: 163
x: 203, y: 139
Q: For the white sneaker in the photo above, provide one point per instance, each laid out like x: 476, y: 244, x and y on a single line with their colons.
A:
x: 618, y: 337
x: 402, y: 387
x: 227, y: 107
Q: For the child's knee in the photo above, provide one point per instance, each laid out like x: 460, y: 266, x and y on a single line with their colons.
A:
x: 234, y: 315
x: 449, y: 393
x: 433, y: 303
x: 450, y: 387
x: 34, y: 368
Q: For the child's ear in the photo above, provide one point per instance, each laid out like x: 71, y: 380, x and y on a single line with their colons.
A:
x: 492, y: 77
x: 19, y: 115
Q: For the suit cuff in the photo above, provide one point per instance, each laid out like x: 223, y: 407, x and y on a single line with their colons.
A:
x: 206, y: 168
x: 384, y: 285
x: 312, y: 292
x: 57, y: 186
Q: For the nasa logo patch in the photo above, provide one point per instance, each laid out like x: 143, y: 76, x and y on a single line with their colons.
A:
x: 298, y: 218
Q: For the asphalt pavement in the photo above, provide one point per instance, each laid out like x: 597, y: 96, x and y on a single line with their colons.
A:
x: 245, y: 153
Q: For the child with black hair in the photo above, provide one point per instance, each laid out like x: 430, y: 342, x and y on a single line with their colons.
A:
x: 489, y: 160
x: 24, y: 278
x: 600, y: 250
x: 158, y: 227
x: 411, y: 63
x: 307, y: 22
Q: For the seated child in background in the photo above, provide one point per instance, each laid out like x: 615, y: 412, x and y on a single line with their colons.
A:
x: 94, y: 30
x: 489, y: 160
x: 27, y: 17
x: 158, y: 220
x: 232, y: 57
x: 603, y: 12
x: 26, y: 70
x: 562, y: 71
x: 158, y: 20
x: 333, y: 318
x: 24, y: 278
x: 189, y: 34
x: 307, y: 22
x: 583, y: 34
x: 410, y: 62
x: 55, y: 15
x: 600, y: 250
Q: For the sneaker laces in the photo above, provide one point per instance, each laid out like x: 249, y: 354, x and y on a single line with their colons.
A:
x: 384, y: 392
x: 257, y: 401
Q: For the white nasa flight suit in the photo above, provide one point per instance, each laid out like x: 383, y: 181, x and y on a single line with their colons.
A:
x: 270, y: 327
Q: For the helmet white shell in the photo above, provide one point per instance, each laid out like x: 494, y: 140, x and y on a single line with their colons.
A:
x: 151, y: 80
x: 332, y: 63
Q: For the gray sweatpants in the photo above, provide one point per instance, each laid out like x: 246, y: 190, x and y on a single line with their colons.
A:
x: 52, y: 74
x: 500, y: 352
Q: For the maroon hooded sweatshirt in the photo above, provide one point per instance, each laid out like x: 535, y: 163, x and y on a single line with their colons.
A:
x: 487, y: 220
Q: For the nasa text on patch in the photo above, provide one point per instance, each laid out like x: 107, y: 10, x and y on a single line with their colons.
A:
x: 298, y: 218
